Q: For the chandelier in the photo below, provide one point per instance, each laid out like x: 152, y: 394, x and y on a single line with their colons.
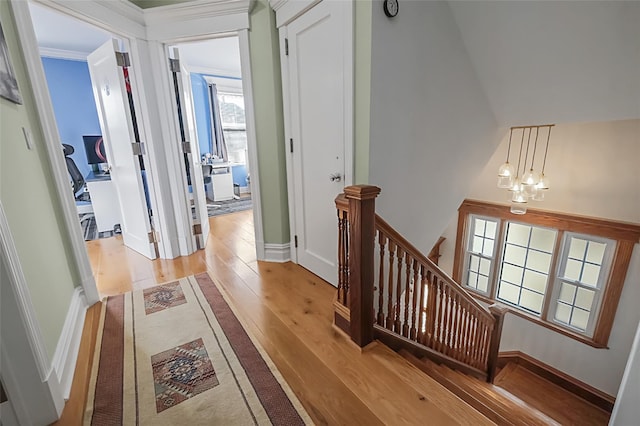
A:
x: 524, y: 183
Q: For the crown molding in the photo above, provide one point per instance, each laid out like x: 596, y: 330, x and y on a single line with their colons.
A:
x: 288, y: 10
x: 50, y: 52
x: 200, y: 17
x: 220, y: 73
x: 110, y: 15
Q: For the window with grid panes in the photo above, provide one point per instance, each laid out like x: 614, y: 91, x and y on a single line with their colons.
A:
x: 580, y: 280
x: 480, y: 253
x: 539, y: 268
x: 525, y: 264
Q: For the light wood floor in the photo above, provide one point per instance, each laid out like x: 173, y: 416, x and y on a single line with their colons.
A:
x: 289, y: 311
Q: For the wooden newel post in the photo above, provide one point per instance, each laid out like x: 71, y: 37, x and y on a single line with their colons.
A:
x: 361, y: 239
x: 498, y: 313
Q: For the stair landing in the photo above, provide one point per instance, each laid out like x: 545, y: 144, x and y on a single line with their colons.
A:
x: 517, y: 397
x: 549, y: 398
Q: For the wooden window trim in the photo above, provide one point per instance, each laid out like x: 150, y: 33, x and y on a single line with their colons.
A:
x: 625, y: 234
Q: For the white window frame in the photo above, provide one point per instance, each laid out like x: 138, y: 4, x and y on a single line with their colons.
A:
x: 500, y: 265
x: 468, y: 253
x: 599, y: 289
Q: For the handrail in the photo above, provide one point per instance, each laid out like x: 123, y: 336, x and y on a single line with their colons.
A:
x: 407, y: 247
x: 387, y: 288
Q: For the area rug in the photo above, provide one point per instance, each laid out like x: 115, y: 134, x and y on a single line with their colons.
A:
x: 231, y: 206
x: 90, y: 228
x: 176, y: 354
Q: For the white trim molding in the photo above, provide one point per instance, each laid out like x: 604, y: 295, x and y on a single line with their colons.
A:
x: 71, y: 55
x: 52, y: 141
x: 116, y: 16
x: 279, y: 253
x: 288, y: 10
x: 66, y: 355
x: 21, y: 289
x: 33, y: 380
x: 199, y: 18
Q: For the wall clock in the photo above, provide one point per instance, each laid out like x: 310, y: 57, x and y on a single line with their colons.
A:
x: 390, y: 8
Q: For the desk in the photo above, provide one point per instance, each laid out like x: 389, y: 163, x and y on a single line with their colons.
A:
x: 221, y: 186
x: 104, y: 199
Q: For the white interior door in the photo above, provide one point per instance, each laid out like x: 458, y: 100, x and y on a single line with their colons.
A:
x: 110, y: 93
x: 190, y: 136
x: 320, y: 81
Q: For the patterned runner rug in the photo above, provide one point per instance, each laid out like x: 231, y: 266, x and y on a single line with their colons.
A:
x: 176, y: 354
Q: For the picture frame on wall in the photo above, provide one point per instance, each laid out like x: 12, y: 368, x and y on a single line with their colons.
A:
x: 8, y: 83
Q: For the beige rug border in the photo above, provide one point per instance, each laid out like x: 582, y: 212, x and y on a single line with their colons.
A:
x: 89, y: 404
x: 267, y: 359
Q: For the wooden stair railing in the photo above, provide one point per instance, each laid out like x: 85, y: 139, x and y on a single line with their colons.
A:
x: 389, y: 290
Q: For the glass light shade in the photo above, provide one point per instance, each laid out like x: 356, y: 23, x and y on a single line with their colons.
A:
x: 543, y: 183
x: 530, y: 178
x: 506, y: 169
x: 505, y: 182
x: 517, y: 186
x: 529, y: 190
x: 519, y: 197
x: 506, y: 172
x: 539, y: 195
x: 518, y: 208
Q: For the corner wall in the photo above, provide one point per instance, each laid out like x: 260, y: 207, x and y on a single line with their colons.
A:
x: 267, y: 100
x: 432, y: 128
x: 30, y: 201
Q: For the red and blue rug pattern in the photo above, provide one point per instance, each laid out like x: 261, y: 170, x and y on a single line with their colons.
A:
x: 163, y: 297
x: 182, y: 373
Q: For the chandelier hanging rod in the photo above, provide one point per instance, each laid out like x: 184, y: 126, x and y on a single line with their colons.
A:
x: 530, y: 127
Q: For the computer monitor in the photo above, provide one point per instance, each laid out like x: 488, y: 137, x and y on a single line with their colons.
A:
x: 94, y: 148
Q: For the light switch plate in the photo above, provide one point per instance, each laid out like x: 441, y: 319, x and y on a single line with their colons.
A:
x: 27, y: 138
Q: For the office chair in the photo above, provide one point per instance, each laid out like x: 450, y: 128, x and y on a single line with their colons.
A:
x: 77, y: 180
x: 83, y: 200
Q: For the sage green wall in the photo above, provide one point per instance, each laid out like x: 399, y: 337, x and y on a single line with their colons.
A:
x: 267, y: 101
x: 362, y: 95
x: 30, y: 201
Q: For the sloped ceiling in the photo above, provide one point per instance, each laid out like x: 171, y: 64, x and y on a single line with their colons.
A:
x: 554, y: 62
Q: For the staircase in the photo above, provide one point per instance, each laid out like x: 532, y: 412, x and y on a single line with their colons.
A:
x: 390, y: 292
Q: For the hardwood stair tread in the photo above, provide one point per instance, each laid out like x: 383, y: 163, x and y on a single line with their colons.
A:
x: 500, y: 407
x: 558, y: 403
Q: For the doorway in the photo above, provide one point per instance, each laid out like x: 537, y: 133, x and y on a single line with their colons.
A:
x: 215, y: 121
x: 318, y: 96
x: 85, y: 135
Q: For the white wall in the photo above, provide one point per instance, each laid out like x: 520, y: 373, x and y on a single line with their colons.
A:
x: 626, y: 410
x: 555, y: 61
x: 594, y: 171
x: 432, y: 129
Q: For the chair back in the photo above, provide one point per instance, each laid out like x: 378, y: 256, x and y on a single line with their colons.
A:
x: 77, y: 179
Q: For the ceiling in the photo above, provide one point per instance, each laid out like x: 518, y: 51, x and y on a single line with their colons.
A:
x: 64, y: 34
x: 554, y: 62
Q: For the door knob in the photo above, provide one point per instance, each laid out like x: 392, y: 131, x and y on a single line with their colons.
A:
x: 335, y: 177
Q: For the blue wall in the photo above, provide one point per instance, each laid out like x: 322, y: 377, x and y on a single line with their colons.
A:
x: 239, y: 175
x: 73, y: 104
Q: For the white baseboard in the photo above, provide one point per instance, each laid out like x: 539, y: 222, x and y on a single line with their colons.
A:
x: 277, y: 252
x: 66, y: 355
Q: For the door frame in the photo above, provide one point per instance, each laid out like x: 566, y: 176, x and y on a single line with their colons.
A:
x: 165, y: 27
x: 286, y: 12
x: 29, y: 45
